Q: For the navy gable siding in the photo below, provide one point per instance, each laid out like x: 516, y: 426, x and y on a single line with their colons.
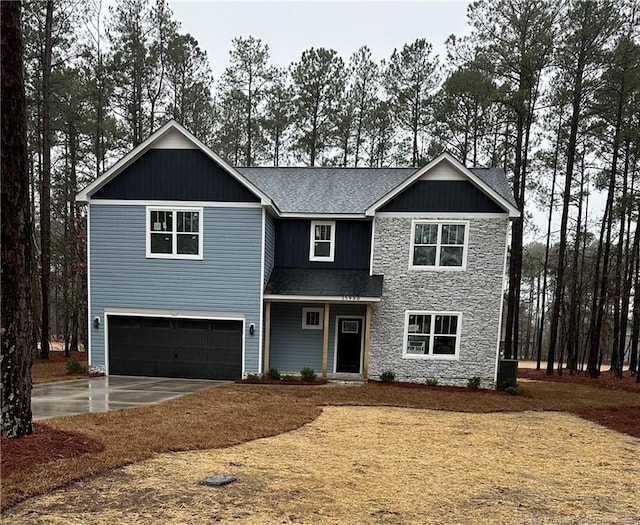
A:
x: 352, y: 251
x: 442, y: 196
x: 175, y: 175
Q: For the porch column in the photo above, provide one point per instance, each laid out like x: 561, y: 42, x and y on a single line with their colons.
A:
x: 367, y: 333
x: 267, y: 335
x: 325, y: 340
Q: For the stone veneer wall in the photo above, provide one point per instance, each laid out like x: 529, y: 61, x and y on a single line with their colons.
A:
x: 475, y: 292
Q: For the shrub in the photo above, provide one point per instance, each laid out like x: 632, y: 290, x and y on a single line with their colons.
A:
x: 287, y: 377
x: 387, y: 376
x: 254, y: 377
x: 308, y: 374
x: 75, y: 367
x: 474, y: 382
x: 432, y: 381
x: 273, y: 374
x: 514, y: 390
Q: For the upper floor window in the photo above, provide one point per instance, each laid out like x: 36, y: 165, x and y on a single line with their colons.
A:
x: 439, y: 245
x: 174, y: 233
x: 322, y: 242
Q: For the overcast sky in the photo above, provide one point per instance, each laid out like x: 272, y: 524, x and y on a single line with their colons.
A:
x: 290, y: 27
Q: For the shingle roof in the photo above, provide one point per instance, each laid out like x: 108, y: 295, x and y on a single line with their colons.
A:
x: 324, y: 282
x: 325, y: 190
x: 343, y: 190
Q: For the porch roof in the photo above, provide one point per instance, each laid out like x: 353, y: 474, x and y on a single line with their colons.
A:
x: 323, y: 284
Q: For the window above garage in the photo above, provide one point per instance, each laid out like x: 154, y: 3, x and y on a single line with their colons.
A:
x: 174, y: 233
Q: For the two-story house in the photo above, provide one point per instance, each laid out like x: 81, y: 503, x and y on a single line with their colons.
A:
x: 203, y: 270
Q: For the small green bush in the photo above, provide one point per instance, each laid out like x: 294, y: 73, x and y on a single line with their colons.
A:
x: 308, y: 374
x: 75, y: 367
x: 514, y: 390
x: 287, y: 377
x: 254, y: 377
x: 474, y: 382
x: 432, y: 381
x: 387, y: 376
x: 273, y: 374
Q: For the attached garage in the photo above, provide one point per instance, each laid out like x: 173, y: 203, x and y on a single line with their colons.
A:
x: 175, y: 347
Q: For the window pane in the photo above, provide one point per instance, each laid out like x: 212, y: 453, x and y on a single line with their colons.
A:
x: 161, y: 221
x: 161, y: 243
x: 426, y: 234
x: 323, y: 232
x: 322, y: 249
x: 444, y: 345
x: 446, y: 324
x: 418, y: 344
x: 187, y: 221
x: 313, y: 318
x: 188, y: 244
x: 453, y: 234
x: 424, y: 255
x: 451, y: 256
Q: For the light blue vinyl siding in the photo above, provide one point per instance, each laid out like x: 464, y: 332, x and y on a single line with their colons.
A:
x: 292, y: 347
x: 269, y: 246
x: 226, y: 280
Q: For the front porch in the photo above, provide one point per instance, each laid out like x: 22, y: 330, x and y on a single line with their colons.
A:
x: 335, y: 343
x: 320, y: 319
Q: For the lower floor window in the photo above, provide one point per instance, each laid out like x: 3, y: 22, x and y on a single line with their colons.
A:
x: 432, y: 334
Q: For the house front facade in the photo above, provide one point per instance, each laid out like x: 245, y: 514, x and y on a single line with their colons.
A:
x: 201, y: 269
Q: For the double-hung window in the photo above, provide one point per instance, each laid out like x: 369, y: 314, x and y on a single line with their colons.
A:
x: 434, y: 335
x: 439, y: 245
x: 174, y: 233
x: 323, y: 241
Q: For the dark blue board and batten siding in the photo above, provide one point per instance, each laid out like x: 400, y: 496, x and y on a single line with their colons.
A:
x: 226, y: 280
x: 352, y: 249
x: 442, y: 196
x: 175, y: 175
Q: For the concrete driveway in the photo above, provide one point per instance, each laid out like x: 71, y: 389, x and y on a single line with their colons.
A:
x: 103, y: 394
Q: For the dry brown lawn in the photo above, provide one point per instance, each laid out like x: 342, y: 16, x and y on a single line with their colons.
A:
x: 223, y: 417
x: 375, y: 465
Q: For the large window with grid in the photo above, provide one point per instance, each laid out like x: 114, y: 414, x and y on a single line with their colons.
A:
x: 432, y: 335
x: 174, y: 233
x: 438, y: 245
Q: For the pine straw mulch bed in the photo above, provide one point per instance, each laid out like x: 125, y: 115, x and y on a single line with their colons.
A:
x: 223, y: 417
x: 606, y: 379
x: 55, y: 368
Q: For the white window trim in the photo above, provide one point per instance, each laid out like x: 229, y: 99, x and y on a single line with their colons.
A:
x: 431, y: 357
x: 312, y: 240
x: 174, y: 255
x: 437, y: 267
x: 320, y: 312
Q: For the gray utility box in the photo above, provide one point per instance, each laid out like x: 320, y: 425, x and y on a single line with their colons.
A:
x: 507, y: 372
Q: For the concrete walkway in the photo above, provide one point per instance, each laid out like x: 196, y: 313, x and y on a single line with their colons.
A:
x: 103, y: 394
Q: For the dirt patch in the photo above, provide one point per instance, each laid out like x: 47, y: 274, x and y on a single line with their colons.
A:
x: 44, y: 445
x: 621, y: 419
x: 375, y: 465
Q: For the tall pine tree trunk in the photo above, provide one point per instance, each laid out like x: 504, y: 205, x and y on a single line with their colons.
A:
x: 45, y: 185
x: 17, y: 342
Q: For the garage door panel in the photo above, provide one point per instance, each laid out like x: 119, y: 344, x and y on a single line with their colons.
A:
x: 190, y: 348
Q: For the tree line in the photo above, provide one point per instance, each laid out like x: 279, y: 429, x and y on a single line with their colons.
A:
x: 549, y: 91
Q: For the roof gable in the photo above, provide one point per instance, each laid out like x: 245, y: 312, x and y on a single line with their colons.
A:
x: 447, y: 168
x: 174, y: 137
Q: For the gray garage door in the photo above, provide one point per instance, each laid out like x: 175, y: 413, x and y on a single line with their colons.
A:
x: 168, y: 347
